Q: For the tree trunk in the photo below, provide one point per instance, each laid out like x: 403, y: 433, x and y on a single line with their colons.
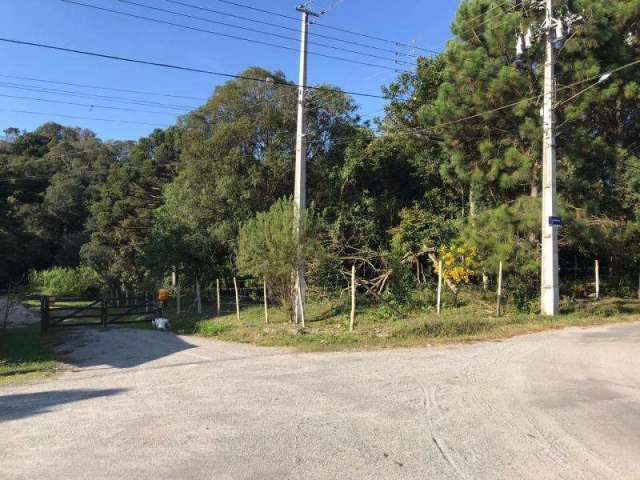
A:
x: 472, y: 201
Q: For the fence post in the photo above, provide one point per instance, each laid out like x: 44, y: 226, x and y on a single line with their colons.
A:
x: 44, y: 314
x: 499, y: 306
x: 353, y: 297
x: 198, y: 297
x: 266, y: 303
x: 178, y: 299
x: 235, y: 287
x: 301, y: 305
x: 218, y: 297
x: 597, y: 279
x: 104, y: 315
x: 439, y: 295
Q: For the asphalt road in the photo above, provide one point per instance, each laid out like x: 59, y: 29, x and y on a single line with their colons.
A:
x: 148, y: 405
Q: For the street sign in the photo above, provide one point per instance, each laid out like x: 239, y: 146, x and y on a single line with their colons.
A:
x: 555, y: 221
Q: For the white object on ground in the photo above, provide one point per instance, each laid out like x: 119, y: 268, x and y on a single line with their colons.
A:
x: 160, y: 323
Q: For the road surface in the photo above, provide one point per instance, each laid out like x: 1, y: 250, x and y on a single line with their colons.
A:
x: 142, y: 404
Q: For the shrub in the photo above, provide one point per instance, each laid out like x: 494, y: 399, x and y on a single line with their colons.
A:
x: 65, y: 281
x: 269, y: 249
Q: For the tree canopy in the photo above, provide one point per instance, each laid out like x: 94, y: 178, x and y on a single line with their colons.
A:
x: 454, y: 163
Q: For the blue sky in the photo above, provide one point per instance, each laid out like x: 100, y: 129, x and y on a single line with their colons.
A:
x: 61, y: 24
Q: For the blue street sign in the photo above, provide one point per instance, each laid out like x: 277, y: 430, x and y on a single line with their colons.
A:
x: 555, y: 221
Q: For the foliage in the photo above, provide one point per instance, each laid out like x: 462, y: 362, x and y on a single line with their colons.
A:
x: 458, y: 263
x: 65, y: 281
x: 123, y: 214
x: 401, y: 281
x: 436, y: 173
x: 49, y: 178
x: 270, y: 248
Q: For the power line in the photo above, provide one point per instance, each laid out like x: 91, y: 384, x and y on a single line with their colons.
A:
x: 242, y: 5
x: 123, y: 90
x: 226, y: 35
x: 77, y: 117
x: 61, y: 102
x: 338, y: 29
x: 263, y: 32
x: 495, y: 7
x: 291, y: 29
x: 431, y: 130
x: 186, y: 69
x: 125, y: 100
x: 343, y: 30
x: 493, y: 17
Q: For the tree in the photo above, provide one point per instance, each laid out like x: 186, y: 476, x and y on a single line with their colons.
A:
x: 50, y: 176
x: 269, y: 248
x: 122, y: 216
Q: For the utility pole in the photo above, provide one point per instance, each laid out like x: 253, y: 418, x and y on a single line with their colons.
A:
x: 552, y: 31
x: 550, y: 288
x: 300, y: 188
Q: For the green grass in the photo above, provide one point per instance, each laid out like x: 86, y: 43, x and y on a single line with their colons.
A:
x: 25, y: 355
x: 327, y: 324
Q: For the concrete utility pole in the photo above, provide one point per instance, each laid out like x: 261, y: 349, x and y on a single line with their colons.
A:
x: 553, y: 30
x: 300, y: 188
x: 550, y: 288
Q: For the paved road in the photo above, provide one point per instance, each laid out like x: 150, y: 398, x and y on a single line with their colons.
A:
x: 149, y: 405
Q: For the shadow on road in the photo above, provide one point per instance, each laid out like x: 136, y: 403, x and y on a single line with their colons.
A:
x: 13, y: 407
x: 119, y: 347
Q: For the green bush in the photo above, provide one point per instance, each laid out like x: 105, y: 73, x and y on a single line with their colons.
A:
x: 269, y: 248
x: 65, y: 281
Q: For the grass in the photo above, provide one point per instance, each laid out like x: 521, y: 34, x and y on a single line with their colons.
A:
x: 25, y: 355
x: 327, y: 324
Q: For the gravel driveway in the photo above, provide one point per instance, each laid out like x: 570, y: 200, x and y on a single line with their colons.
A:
x: 142, y: 404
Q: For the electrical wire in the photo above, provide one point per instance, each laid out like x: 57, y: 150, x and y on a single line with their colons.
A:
x: 291, y: 29
x: 493, y: 17
x: 71, y: 93
x: 573, y: 97
x: 226, y: 35
x: 186, y: 69
x: 60, y: 102
x: 330, y: 27
x: 528, y: 99
x: 256, y: 9
x: 84, y: 85
x: 484, y: 14
x: 77, y: 117
x: 263, y: 32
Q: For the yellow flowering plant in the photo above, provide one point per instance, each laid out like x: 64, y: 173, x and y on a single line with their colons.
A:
x: 458, y: 263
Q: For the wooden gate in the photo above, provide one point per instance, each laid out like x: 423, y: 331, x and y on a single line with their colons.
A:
x: 57, y: 312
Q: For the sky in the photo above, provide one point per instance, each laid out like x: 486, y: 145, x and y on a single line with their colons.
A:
x: 425, y: 24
